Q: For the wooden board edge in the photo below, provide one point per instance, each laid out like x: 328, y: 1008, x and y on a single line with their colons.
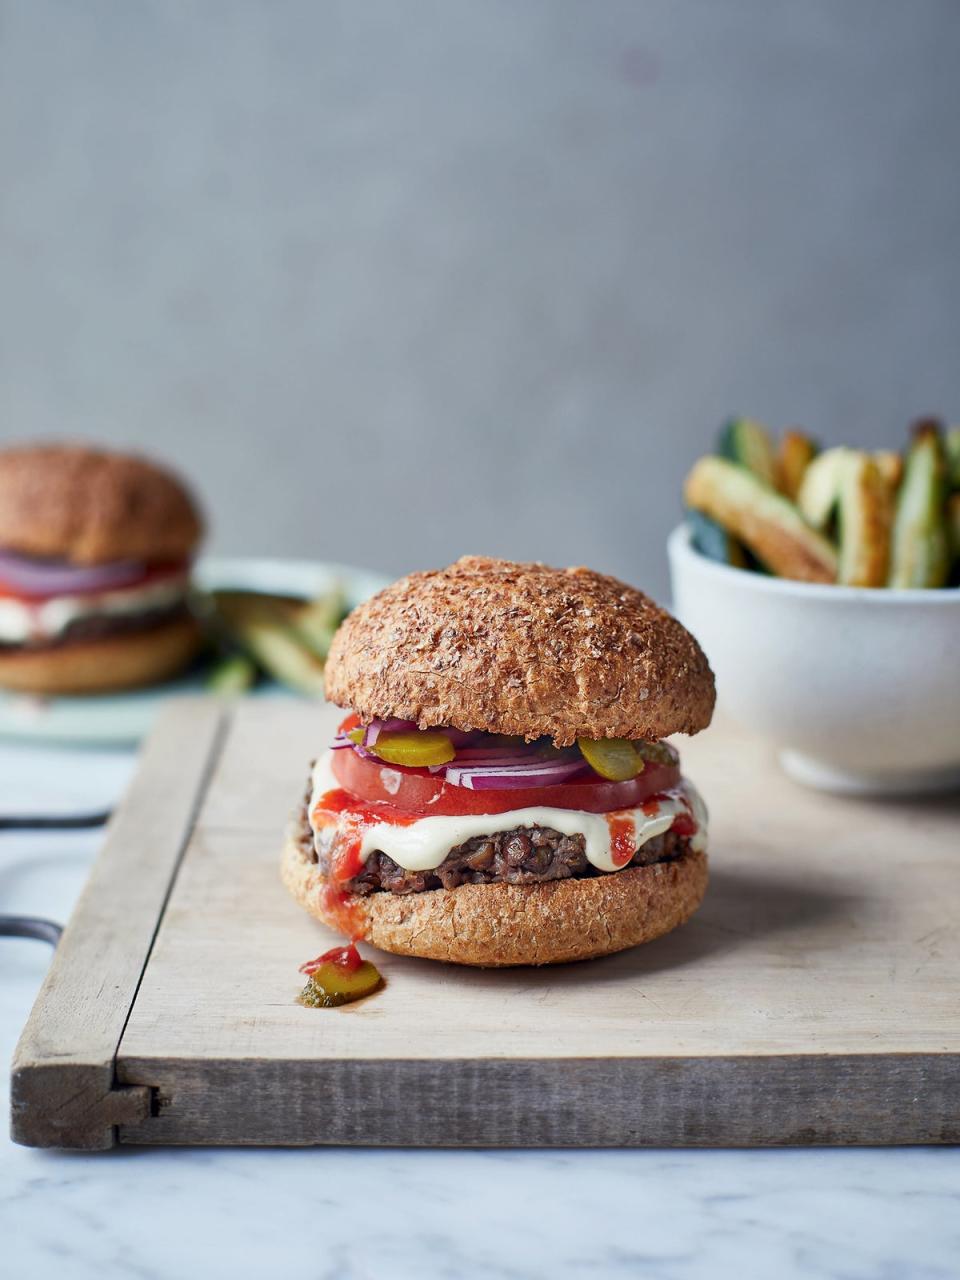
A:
x: 743, y: 1101
x: 74, y: 1106
x: 63, y: 1088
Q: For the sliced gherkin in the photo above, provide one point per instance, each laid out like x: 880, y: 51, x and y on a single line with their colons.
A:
x: 613, y: 758
x: 920, y: 555
x: 330, y: 985
x: 416, y: 748
x: 657, y: 752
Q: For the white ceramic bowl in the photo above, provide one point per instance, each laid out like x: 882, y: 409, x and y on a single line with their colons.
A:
x: 858, y: 689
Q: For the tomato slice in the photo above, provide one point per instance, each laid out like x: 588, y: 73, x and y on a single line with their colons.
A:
x: 420, y: 791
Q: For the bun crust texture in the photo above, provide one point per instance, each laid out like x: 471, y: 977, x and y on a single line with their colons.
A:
x: 500, y: 925
x: 521, y: 649
x: 90, y: 506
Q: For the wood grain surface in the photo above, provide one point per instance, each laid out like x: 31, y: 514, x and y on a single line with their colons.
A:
x: 63, y: 1088
x: 813, y: 999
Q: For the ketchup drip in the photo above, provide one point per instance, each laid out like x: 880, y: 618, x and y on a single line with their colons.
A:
x: 347, y: 958
x: 623, y: 837
x: 684, y: 824
x: 623, y: 831
x: 351, y: 818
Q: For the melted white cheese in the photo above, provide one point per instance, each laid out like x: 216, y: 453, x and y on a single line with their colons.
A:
x: 21, y: 621
x: 424, y: 844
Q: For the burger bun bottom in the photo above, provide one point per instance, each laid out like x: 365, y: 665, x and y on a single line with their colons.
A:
x: 106, y: 664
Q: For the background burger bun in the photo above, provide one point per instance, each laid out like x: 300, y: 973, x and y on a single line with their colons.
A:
x: 498, y: 925
x: 90, y: 506
x: 521, y: 649
x: 110, y: 663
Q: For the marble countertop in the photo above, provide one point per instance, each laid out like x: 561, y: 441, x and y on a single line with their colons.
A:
x: 332, y: 1214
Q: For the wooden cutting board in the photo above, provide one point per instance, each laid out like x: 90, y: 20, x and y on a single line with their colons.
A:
x: 815, y: 998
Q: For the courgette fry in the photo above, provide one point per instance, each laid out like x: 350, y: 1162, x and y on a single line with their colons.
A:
x: 232, y: 675
x: 952, y: 446
x: 819, y: 493
x: 920, y: 555
x: 748, y: 442
x: 712, y: 540
x: 265, y: 627
x: 953, y: 528
x: 317, y: 620
x: 797, y: 451
x: 766, y: 522
x: 865, y: 518
x: 890, y: 464
x: 282, y: 655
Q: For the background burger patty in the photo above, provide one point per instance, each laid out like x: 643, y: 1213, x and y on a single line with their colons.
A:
x: 526, y: 855
x: 98, y: 626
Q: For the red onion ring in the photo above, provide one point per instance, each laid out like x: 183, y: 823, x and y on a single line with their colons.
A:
x: 376, y: 727
x: 539, y: 774
x: 478, y: 768
x: 35, y: 577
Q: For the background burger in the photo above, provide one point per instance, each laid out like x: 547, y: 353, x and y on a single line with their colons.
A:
x: 95, y: 552
x: 499, y: 792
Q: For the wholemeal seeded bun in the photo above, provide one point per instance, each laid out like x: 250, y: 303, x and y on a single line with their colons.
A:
x: 498, y: 925
x: 126, y: 660
x: 521, y: 649
x: 90, y: 506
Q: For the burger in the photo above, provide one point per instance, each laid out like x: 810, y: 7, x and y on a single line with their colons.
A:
x: 500, y: 791
x: 95, y: 552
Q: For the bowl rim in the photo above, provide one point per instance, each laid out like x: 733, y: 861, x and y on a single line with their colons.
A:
x: 679, y: 546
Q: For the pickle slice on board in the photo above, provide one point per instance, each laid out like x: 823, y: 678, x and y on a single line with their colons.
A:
x: 330, y: 985
x: 748, y: 442
x: 797, y: 451
x: 766, y: 522
x: 920, y: 555
x: 865, y: 518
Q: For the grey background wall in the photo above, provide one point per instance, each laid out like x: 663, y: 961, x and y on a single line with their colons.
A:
x: 397, y: 280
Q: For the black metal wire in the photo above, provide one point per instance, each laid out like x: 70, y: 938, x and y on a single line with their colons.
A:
x: 53, y: 822
x: 30, y: 927
x: 34, y: 926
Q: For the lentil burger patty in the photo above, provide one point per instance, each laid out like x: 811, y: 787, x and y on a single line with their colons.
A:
x: 526, y: 855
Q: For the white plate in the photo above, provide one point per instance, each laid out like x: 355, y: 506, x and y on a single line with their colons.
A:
x: 127, y: 717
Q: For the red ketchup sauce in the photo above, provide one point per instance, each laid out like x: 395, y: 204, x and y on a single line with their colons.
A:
x: 623, y: 837
x: 351, y: 818
x: 347, y: 958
